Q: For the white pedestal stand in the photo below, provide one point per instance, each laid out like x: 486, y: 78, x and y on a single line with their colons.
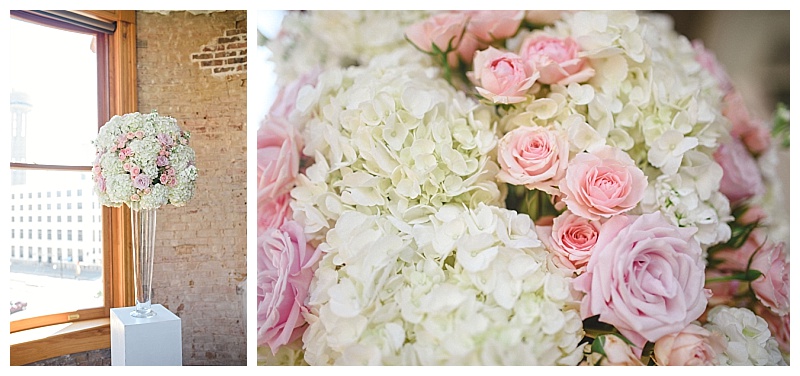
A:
x: 145, y: 342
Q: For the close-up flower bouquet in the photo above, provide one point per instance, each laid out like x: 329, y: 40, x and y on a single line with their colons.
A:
x: 144, y: 161
x: 514, y: 188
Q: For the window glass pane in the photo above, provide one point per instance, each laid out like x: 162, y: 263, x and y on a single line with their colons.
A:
x: 53, y: 81
x: 60, y: 274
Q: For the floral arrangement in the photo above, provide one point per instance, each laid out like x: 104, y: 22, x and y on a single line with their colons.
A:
x: 143, y: 161
x: 514, y: 188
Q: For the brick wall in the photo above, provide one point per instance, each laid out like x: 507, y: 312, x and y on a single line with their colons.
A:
x: 226, y: 54
x: 88, y: 358
x: 201, y: 248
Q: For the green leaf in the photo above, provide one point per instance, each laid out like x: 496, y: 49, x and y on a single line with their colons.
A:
x: 780, y: 125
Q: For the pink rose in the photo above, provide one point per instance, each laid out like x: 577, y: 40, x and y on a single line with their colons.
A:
x: 772, y: 287
x: 692, y: 346
x: 709, y: 62
x: 556, y: 59
x: 535, y: 157
x: 492, y: 25
x: 286, y: 101
x: 617, y: 353
x: 278, y: 157
x: 502, y: 77
x: 571, y: 239
x: 544, y: 17
x: 483, y: 28
x: 741, y: 177
x: 645, y: 277
x: 273, y: 212
x: 602, y: 183
x: 444, y: 31
x: 286, y: 266
x: 466, y: 50
x: 753, y: 133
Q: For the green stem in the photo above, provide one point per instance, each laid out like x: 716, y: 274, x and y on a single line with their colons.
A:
x: 747, y: 276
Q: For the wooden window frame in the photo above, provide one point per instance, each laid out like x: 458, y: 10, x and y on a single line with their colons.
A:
x: 38, y: 339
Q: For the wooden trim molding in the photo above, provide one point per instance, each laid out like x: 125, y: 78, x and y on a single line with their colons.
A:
x: 48, y: 342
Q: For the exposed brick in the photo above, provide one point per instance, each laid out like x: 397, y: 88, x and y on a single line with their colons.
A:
x: 210, y: 63
x: 223, y: 70
x: 223, y: 40
x: 202, y: 56
x: 225, y: 54
x: 201, y: 252
x: 235, y: 32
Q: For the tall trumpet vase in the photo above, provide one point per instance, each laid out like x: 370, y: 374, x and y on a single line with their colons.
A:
x: 143, y: 230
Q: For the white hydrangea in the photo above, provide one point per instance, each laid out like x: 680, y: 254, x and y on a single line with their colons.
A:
x: 143, y: 161
x: 650, y: 98
x: 464, y: 287
x: 337, y: 38
x: 159, y: 195
x: 747, y: 335
x: 391, y: 139
x: 773, y: 200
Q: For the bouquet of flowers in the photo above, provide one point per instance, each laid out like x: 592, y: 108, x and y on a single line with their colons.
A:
x: 144, y: 161
x: 513, y: 188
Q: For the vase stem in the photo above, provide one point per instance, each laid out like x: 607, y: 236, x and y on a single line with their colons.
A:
x: 143, y: 231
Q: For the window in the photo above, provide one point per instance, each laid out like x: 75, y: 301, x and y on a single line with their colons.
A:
x: 69, y: 234
x: 111, y: 79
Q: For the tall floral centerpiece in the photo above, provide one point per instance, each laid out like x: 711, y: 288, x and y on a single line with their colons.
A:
x: 513, y: 188
x: 143, y: 161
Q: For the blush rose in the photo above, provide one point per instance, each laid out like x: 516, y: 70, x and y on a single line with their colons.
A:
x: 534, y: 157
x: 603, y: 183
x: 277, y: 158
x: 286, y: 266
x: 571, y: 238
x: 443, y: 30
x: 645, y: 277
x: 692, y: 346
x: 502, y: 77
x: 772, y: 287
x: 557, y: 60
x: 741, y: 177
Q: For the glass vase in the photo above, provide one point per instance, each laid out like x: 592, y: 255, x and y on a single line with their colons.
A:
x: 143, y: 233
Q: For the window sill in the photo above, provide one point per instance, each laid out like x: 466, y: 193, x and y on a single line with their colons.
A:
x: 47, y: 342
